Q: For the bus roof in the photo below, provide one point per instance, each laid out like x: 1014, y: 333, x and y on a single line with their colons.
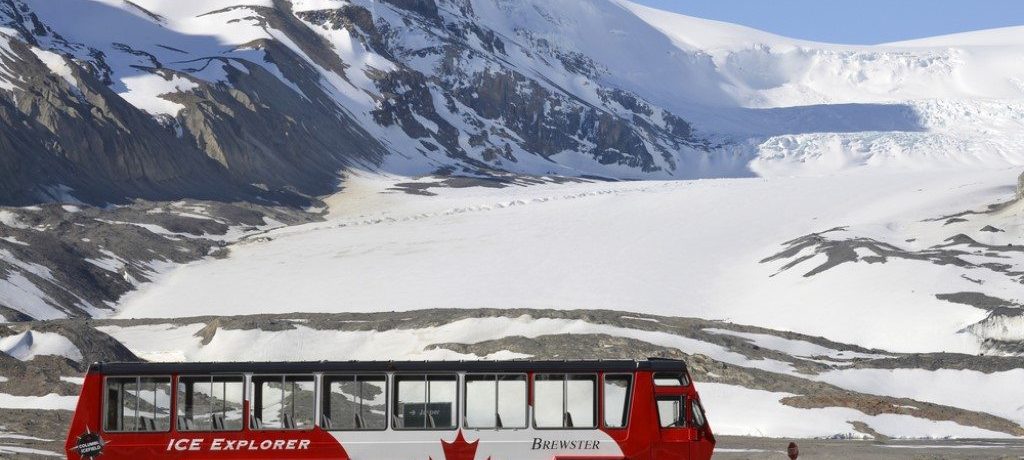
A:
x: 303, y: 367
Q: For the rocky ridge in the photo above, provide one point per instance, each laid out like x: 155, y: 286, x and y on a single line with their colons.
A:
x: 278, y: 116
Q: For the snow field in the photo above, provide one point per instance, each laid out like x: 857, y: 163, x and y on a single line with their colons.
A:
x: 744, y: 412
x: 663, y: 248
x: 992, y: 393
x: 51, y: 401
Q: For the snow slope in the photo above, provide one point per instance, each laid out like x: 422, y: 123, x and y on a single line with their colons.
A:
x: 940, y: 102
x: 944, y: 386
x: 765, y: 70
x: 182, y: 35
x: 673, y: 248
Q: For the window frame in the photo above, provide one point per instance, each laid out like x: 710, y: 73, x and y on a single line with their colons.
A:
x: 393, y: 399
x: 324, y: 392
x: 683, y: 378
x: 683, y: 410
x: 138, y: 380
x: 177, y: 404
x: 629, y: 400
x: 565, y: 400
x: 465, y: 402
x: 251, y: 393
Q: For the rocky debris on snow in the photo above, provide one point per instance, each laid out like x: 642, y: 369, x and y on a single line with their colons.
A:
x: 33, y: 433
x: 77, y: 260
x: 423, y: 185
x: 840, y: 251
x: 990, y: 251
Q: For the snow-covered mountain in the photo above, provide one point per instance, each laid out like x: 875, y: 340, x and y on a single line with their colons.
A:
x: 395, y: 175
x: 278, y: 95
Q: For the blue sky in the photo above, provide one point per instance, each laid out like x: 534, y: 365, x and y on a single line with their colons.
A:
x: 855, y: 21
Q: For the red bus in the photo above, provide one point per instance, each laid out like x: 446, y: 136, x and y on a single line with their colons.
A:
x: 388, y: 410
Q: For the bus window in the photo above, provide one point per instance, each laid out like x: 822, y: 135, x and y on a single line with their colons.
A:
x: 210, y: 403
x: 565, y: 401
x: 354, y: 402
x: 512, y: 401
x: 698, y: 413
x: 137, y: 404
x: 495, y: 401
x: 282, y: 402
x: 670, y: 379
x: 617, y: 391
x: 548, y: 400
x: 670, y: 411
x: 424, y: 402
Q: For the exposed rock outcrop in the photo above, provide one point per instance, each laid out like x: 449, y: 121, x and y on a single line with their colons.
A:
x: 85, y: 139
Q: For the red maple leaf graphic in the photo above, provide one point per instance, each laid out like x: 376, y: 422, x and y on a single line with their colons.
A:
x: 459, y: 449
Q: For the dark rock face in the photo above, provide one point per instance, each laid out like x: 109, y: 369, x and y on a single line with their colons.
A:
x: 427, y: 8
x: 24, y: 158
x: 89, y: 139
x: 260, y: 132
x: 550, y: 124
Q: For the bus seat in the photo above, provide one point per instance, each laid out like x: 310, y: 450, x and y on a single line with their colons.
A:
x: 325, y: 422
x: 184, y: 424
x: 288, y: 422
x: 567, y: 420
x: 218, y: 422
x: 430, y: 421
x: 358, y: 419
x: 146, y: 424
x: 397, y: 422
x: 255, y: 422
x: 497, y: 420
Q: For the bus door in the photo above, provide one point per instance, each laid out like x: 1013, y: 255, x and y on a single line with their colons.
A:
x: 675, y: 433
